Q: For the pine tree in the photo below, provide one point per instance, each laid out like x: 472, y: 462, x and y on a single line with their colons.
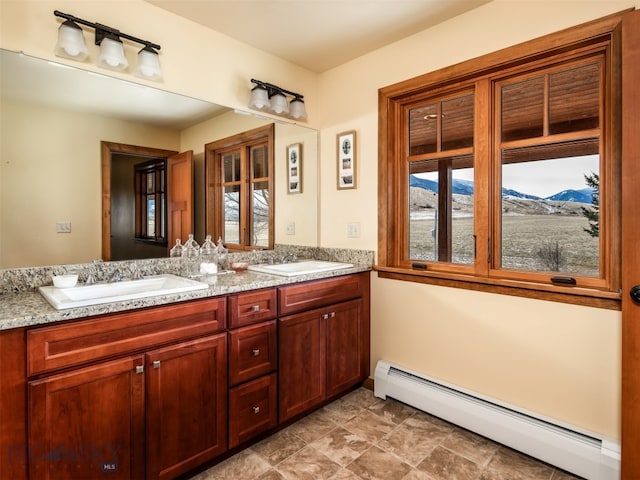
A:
x: 593, y: 213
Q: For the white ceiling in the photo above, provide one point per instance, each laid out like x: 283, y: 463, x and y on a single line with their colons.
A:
x: 318, y: 34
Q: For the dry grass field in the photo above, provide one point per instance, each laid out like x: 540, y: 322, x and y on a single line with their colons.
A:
x: 523, y: 236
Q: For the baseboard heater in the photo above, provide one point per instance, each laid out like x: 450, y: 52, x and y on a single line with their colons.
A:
x: 563, y: 446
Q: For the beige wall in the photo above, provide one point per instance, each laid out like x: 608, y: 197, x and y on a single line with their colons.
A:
x: 299, y: 209
x: 558, y: 360
x: 561, y: 361
x: 48, y: 152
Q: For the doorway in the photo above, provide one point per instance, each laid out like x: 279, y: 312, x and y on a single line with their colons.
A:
x: 118, y: 202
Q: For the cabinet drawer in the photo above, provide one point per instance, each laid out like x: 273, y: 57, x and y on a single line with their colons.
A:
x: 315, y: 294
x: 252, y: 352
x: 252, y: 409
x: 59, y: 346
x: 252, y: 307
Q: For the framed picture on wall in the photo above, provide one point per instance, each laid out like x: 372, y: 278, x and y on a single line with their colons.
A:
x: 294, y: 168
x: 346, y: 153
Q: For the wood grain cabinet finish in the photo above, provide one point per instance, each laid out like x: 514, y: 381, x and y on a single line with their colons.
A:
x: 141, y: 394
x: 253, y: 351
x: 75, y: 343
x: 186, y: 405
x: 251, y: 307
x: 253, y: 409
x: 88, y: 422
x: 323, y: 352
x: 253, y: 363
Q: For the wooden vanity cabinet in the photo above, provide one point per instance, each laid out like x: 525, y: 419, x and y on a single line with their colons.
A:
x: 323, y: 330
x: 253, y: 361
x: 129, y: 395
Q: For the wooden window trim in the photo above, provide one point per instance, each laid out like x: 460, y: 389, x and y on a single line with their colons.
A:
x: 213, y: 181
x: 392, y: 184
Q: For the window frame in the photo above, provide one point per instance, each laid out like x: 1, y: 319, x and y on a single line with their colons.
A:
x: 158, y: 168
x: 479, y: 74
x: 214, y: 184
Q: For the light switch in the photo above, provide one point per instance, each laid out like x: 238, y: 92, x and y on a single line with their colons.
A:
x: 63, y: 227
x: 291, y: 228
x: 353, y: 230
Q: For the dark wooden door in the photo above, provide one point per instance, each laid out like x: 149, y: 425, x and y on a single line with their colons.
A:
x: 630, y: 246
x: 302, y: 362
x: 180, y: 211
x: 186, y: 405
x: 88, y: 423
x: 344, y: 349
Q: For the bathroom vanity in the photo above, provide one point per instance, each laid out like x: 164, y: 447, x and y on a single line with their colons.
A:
x: 158, y: 391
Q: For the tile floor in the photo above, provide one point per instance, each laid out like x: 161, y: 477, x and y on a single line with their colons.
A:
x: 360, y: 437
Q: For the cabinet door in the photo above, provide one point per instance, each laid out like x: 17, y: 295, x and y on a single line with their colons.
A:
x: 302, y: 362
x: 88, y: 422
x: 344, y: 346
x: 186, y: 405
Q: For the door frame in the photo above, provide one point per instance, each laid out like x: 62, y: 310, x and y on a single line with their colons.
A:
x: 630, y: 378
x: 107, y: 149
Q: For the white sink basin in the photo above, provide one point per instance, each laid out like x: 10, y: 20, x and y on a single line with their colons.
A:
x: 303, y: 267
x: 86, y: 295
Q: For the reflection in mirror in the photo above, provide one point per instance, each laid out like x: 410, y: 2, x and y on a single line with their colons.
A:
x: 53, y: 119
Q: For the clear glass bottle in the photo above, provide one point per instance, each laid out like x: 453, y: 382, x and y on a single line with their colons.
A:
x: 208, y: 256
x: 176, y: 251
x: 222, y: 254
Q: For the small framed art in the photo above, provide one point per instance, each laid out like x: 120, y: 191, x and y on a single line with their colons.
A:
x: 294, y: 168
x: 346, y: 145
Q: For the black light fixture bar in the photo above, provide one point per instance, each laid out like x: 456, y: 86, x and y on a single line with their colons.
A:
x: 103, y: 30
x: 274, y: 88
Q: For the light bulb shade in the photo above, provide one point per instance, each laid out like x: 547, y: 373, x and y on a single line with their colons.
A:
x: 297, y: 110
x: 259, y: 98
x: 71, y: 42
x: 279, y: 104
x: 148, y: 64
x: 112, y: 54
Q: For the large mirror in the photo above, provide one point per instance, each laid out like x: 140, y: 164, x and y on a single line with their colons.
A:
x: 53, y: 119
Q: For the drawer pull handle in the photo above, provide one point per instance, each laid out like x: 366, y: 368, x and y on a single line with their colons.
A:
x: 156, y: 364
x: 256, y: 308
x: 255, y: 352
x: 256, y: 410
x: 139, y: 368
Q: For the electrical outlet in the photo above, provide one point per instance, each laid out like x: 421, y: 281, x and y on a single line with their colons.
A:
x: 353, y: 230
x: 63, y: 227
x: 291, y: 228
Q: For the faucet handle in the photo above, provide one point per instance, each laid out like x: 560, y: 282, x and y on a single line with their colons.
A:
x: 136, y: 274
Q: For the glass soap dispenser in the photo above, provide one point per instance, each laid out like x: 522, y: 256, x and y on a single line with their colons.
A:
x: 176, y: 251
x: 208, y: 257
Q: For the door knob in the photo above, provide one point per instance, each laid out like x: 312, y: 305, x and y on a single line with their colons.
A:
x: 635, y: 293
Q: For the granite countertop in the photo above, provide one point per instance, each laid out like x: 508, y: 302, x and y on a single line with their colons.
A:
x: 28, y: 308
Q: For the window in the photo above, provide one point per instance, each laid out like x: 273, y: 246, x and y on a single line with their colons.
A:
x: 150, y: 184
x: 239, y: 190
x: 502, y: 175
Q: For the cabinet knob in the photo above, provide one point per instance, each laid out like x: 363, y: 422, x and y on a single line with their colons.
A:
x: 332, y: 314
x: 156, y: 364
x: 255, y: 352
x: 325, y: 316
x: 139, y: 368
x: 256, y: 410
x: 256, y: 308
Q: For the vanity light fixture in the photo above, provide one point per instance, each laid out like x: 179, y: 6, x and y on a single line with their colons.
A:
x: 71, y: 45
x: 271, y: 98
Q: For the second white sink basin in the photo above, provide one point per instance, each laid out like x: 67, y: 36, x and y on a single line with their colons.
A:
x: 303, y: 267
x: 86, y: 295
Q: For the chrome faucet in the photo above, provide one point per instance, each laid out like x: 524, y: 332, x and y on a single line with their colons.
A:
x: 289, y: 257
